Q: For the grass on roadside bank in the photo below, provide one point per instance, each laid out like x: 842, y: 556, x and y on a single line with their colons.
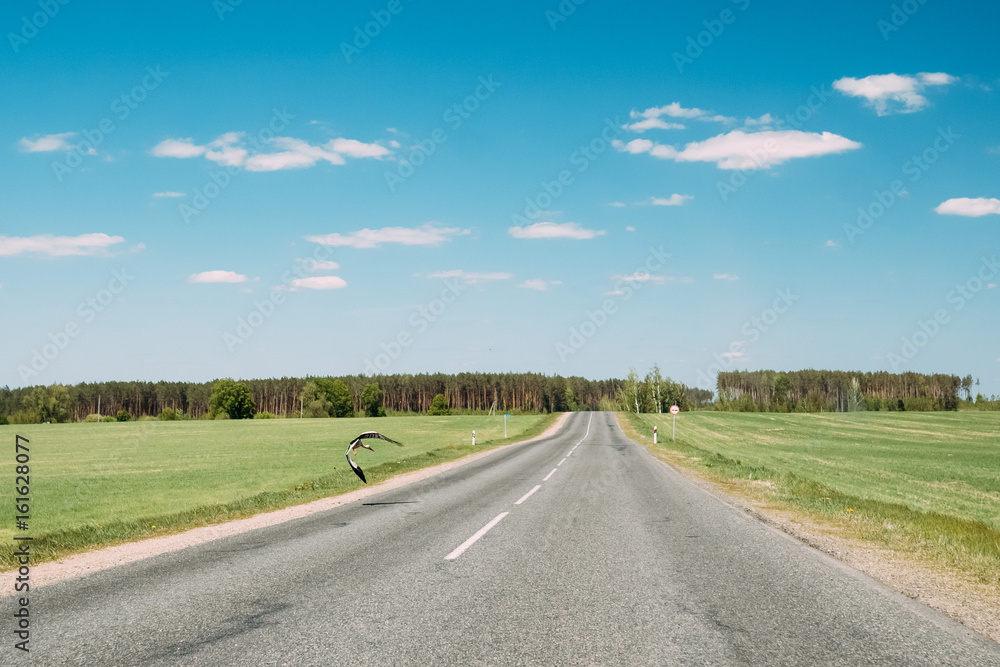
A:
x: 926, y: 489
x: 97, y: 485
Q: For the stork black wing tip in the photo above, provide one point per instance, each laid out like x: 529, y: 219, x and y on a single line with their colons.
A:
x: 357, y: 469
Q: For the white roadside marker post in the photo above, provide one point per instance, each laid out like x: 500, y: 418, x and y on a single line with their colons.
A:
x: 674, y: 410
x: 505, y: 426
x: 473, y: 438
x: 654, y: 435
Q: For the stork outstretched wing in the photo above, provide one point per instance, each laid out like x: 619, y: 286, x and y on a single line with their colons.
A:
x: 357, y: 442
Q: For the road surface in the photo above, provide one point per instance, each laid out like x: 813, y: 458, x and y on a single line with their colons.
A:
x: 589, y: 552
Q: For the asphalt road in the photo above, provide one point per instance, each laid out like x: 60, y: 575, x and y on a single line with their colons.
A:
x: 614, y: 559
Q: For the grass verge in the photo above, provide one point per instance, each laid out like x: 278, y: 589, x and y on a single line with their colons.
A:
x: 968, y: 547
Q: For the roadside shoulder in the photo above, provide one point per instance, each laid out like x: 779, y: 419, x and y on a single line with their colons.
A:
x: 972, y: 603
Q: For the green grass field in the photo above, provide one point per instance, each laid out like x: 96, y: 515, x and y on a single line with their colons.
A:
x: 101, y: 484
x: 917, y: 482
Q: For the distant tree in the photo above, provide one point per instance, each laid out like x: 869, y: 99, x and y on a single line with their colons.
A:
x: 570, y: 398
x: 25, y: 417
x: 439, y: 406
x: 674, y: 393
x: 855, y: 398
x: 631, y: 394
x: 231, y: 398
x: 123, y: 416
x: 167, y: 415
x: 339, y: 395
x: 371, y: 399
x: 655, y: 381
x: 782, y: 385
x: 264, y: 415
x: 967, y: 387
x: 314, y: 402
x: 51, y: 404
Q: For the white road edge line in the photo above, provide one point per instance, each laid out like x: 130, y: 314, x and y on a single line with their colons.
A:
x: 560, y: 463
x: 550, y: 474
x: 528, y: 494
x: 479, y: 533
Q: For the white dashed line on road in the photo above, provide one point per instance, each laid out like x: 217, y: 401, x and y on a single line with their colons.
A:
x: 472, y: 540
x: 528, y: 494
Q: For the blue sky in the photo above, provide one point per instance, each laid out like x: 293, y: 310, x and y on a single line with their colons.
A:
x: 198, y: 189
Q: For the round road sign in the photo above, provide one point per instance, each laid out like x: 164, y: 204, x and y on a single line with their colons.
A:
x: 674, y: 409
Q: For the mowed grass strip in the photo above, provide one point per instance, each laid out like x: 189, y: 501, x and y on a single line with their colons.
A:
x: 96, y: 485
x: 925, y: 484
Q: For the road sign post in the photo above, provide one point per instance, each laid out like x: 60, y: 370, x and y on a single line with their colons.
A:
x: 674, y: 410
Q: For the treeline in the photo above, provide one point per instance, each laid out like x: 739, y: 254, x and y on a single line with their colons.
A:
x: 287, y: 396
x: 656, y: 393
x: 838, y: 391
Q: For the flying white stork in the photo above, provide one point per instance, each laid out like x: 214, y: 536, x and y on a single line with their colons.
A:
x: 357, y: 442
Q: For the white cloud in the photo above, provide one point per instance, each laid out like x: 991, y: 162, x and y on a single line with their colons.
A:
x: 630, y: 228
x: 617, y: 204
x: 179, y: 148
x: 830, y: 243
x: 217, y: 277
x: 881, y: 89
x: 747, y: 150
x: 652, y: 124
x: 284, y: 160
x: 358, y: 149
x: 642, y: 277
x: 228, y: 150
x: 318, y: 264
x: 972, y: 208
x: 553, y: 230
x: 936, y: 78
x: 58, y: 246
x: 639, y: 277
x: 169, y: 193
x: 318, y: 282
x: 634, y: 147
x: 427, y: 234
x: 675, y: 110
x: 470, y: 277
x: 46, y: 143
x: 673, y: 200
x: 538, y: 284
x: 766, y: 120
x: 726, y: 276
